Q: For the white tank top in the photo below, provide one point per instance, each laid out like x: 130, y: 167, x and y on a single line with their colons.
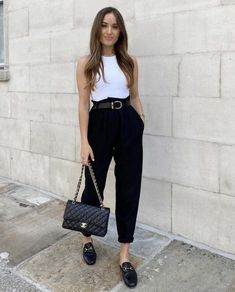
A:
x: 117, y: 82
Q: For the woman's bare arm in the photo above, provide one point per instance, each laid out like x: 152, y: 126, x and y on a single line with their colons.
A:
x: 134, y: 91
x: 83, y: 109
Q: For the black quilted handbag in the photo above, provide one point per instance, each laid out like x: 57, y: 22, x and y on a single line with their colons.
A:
x: 81, y: 217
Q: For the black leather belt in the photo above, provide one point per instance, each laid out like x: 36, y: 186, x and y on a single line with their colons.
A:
x: 115, y: 104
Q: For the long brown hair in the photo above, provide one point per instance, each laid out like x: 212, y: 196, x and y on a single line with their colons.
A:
x: 95, y: 63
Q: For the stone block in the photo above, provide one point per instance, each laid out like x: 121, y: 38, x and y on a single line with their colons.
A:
x: 158, y: 75
x: 16, y: 4
x: 227, y: 162
x: 131, y: 31
x: 35, y: 168
x: 227, y: 2
x: 64, y: 177
x: 64, y: 109
x: 145, y: 9
x: 156, y: 32
x: 227, y: 75
x: 69, y: 45
x: 205, y: 30
x: 15, y: 133
x: 158, y: 115
x: 207, y: 119
x: 210, y: 217
x: 48, y: 78
x: 5, y: 104
x: 194, y: 163
x: 18, y: 23
x: 53, y: 139
x: 3, y: 87
x: 200, y: 75
x: 31, y: 106
x: 19, y: 78
x: 90, y: 8
x: 155, y: 204
x: 33, y: 49
x: 48, y: 16
x: 5, y: 162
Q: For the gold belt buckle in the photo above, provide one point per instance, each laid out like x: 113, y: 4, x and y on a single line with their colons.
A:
x: 114, y: 102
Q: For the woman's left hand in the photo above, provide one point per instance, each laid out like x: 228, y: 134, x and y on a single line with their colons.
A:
x: 142, y: 117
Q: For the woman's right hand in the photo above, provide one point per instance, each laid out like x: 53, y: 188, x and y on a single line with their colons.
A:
x: 86, y: 151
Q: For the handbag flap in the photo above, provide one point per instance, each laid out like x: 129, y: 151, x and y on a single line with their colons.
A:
x: 79, y: 213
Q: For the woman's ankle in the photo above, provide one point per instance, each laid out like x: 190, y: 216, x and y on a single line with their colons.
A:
x: 124, y: 252
x: 123, y: 260
x: 123, y: 257
x: 86, y: 239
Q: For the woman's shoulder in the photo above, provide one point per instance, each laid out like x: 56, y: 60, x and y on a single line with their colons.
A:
x: 134, y: 58
x: 83, y: 60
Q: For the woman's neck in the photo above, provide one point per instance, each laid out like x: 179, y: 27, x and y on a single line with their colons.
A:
x: 106, y: 55
x: 108, y: 52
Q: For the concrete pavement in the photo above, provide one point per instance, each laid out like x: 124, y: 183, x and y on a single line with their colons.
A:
x: 37, y: 254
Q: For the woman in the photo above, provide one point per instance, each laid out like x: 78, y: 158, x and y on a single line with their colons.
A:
x: 112, y: 128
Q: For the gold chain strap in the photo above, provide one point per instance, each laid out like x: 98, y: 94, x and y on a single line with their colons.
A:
x: 94, y: 182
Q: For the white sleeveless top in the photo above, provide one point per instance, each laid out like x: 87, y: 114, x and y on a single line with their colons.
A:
x: 117, y: 82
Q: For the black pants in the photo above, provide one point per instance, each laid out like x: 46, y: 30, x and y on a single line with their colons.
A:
x: 116, y: 133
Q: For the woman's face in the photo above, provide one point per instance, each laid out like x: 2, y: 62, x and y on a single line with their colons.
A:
x: 109, y: 30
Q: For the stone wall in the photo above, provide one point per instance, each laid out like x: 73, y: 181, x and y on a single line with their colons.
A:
x: 186, y: 55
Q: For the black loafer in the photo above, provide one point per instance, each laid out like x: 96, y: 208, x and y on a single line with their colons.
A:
x: 89, y: 253
x: 129, y: 274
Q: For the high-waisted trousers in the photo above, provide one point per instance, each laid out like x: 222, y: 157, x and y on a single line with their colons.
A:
x: 116, y: 133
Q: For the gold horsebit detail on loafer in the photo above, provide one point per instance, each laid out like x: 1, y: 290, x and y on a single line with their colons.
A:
x: 90, y: 249
x: 127, y: 268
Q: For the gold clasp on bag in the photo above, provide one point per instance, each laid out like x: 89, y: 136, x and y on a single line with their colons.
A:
x: 83, y: 225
